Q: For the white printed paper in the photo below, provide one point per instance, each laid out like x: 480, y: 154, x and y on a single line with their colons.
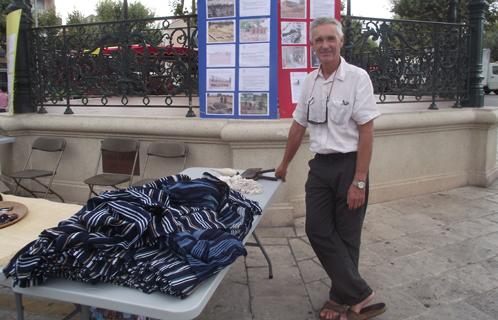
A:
x: 254, y: 79
x: 254, y: 8
x: 254, y: 55
x: 297, y: 81
x: 322, y: 8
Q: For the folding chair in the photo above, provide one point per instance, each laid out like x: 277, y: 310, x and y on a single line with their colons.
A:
x: 119, y: 164
x: 165, y: 150
x: 40, y: 145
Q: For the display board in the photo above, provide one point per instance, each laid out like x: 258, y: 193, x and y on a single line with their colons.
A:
x: 297, y: 57
x: 238, y: 59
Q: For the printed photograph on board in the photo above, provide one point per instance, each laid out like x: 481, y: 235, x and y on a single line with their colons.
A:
x: 255, y: 30
x: 293, y: 9
x: 253, y: 103
x: 293, y: 32
x: 220, y: 79
x: 294, y: 57
x: 219, y: 103
x: 220, y: 31
x: 220, y: 55
x: 220, y: 8
x: 315, y: 63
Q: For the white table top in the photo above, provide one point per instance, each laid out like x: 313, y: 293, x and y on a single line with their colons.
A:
x: 133, y: 301
x: 4, y: 139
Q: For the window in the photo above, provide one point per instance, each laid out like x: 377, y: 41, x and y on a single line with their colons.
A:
x: 495, y: 70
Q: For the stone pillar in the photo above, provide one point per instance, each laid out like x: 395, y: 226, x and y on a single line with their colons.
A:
x: 22, y: 94
x: 477, y: 9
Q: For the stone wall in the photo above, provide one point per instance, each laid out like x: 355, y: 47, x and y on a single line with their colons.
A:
x: 415, y: 152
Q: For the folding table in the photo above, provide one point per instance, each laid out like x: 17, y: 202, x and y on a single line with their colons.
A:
x: 155, y: 305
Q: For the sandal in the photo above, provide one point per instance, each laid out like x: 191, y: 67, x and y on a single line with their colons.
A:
x: 334, y: 307
x: 368, y: 312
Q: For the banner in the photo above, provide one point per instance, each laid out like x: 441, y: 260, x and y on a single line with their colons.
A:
x: 238, y: 58
x: 297, y: 57
x: 13, y: 23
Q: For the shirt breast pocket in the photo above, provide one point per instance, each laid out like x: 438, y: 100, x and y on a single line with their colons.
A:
x: 339, y: 111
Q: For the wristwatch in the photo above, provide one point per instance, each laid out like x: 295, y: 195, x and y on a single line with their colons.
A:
x: 359, y: 184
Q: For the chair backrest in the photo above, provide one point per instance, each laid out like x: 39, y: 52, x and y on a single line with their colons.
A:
x: 49, y: 144
x: 166, y: 150
x: 120, y: 156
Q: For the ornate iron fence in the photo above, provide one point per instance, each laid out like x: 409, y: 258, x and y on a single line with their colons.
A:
x: 154, y: 62
x: 124, y: 63
x: 410, y: 60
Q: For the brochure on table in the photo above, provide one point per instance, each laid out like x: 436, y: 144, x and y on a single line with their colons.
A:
x: 238, y: 59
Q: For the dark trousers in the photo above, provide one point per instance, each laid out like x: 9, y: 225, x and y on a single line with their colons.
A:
x: 334, y: 231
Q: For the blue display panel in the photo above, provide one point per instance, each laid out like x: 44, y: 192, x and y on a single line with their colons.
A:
x: 238, y: 59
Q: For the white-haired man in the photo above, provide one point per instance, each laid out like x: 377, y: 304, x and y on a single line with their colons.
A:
x: 338, y: 107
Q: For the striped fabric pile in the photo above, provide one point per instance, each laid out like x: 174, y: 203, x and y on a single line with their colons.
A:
x: 167, y: 236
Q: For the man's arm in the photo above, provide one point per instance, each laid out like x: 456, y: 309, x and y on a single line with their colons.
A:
x: 296, y: 134
x: 356, y: 196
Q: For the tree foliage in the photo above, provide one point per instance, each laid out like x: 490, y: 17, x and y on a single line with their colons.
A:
x: 437, y: 10
x: 49, y: 18
x: 112, y: 10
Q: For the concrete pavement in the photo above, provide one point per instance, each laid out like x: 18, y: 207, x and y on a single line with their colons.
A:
x: 433, y: 256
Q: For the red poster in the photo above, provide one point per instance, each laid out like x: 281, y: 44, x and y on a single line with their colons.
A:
x: 294, y: 50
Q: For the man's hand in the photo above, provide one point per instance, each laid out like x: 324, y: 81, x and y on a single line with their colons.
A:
x: 356, y: 197
x: 281, y: 171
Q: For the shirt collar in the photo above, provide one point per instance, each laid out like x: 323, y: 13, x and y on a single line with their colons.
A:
x: 341, y: 71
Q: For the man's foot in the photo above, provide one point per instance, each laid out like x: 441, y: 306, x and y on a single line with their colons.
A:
x: 357, y: 307
x: 331, y: 310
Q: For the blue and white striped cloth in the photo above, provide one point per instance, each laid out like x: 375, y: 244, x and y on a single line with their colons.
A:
x: 168, y: 236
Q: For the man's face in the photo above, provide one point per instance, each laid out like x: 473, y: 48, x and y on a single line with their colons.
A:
x: 326, y: 43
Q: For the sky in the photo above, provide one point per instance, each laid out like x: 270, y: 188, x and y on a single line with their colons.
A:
x: 365, y: 8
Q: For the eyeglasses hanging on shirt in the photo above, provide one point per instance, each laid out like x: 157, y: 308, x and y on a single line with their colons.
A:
x: 311, y: 101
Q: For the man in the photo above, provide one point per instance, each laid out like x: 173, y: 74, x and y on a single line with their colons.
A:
x: 338, y: 107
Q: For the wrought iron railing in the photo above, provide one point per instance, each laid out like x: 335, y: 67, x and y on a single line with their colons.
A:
x: 153, y: 62
x: 409, y: 61
x: 125, y: 63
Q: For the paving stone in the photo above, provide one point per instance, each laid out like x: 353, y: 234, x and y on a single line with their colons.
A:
x: 464, y: 252
x: 299, y: 225
x: 413, y: 222
x: 398, y: 303
x: 318, y: 293
x: 493, y: 198
x: 230, y: 301
x: 279, y: 255
x: 379, y: 230
x: 278, y: 232
x: 369, y: 258
x: 391, y: 249
x: 286, y: 281
x: 492, y: 217
x: 475, y: 277
x: 390, y: 274
x: 437, y: 291
x: 474, y: 228
x: 301, y: 249
x: 282, y: 307
x: 426, y: 263
x: 455, y: 311
x: 486, y: 302
x: 469, y: 192
x: 439, y: 236
x: 311, y: 271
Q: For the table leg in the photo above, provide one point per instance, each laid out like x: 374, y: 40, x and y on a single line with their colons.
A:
x: 19, y: 306
x: 85, y: 313
x: 260, y: 245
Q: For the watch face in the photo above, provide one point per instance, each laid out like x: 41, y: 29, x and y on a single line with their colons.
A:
x: 361, y: 184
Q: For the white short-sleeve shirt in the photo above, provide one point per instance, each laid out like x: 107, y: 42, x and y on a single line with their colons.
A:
x: 351, y: 103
